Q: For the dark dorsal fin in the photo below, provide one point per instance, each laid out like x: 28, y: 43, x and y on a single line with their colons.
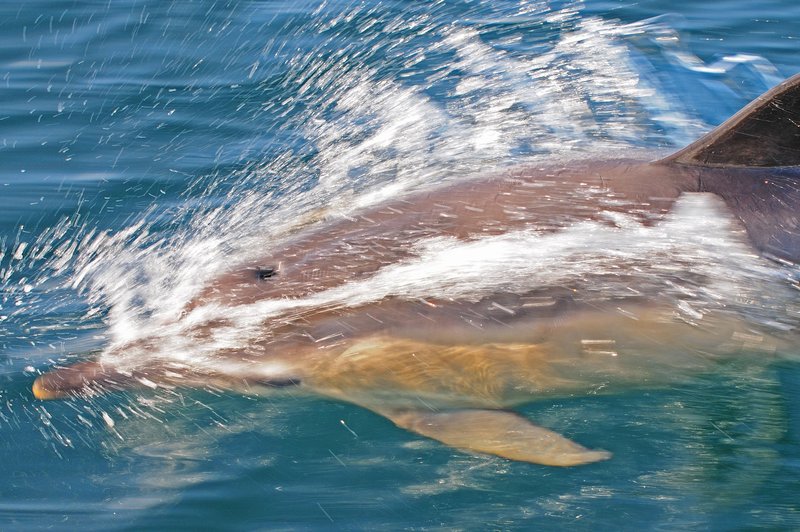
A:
x: 765, y: 133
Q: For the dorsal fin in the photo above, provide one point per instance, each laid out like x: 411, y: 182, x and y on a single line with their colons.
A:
x: 765, y: 133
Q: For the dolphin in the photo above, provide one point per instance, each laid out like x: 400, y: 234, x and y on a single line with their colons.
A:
x: 445, y: 308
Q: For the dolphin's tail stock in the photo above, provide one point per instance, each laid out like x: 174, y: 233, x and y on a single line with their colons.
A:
x: 752, y: 161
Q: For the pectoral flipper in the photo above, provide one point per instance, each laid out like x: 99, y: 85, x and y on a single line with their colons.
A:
x: 497, y: 432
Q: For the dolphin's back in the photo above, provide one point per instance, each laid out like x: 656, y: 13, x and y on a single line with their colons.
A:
x: 752, y: 161
x: 767, y: 202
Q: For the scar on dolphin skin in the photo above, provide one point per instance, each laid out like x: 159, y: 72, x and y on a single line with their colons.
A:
x: 451, y: 368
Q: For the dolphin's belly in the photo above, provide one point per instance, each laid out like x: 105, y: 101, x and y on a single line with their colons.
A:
x: 579, y: 352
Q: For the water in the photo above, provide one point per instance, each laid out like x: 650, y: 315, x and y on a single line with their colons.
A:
x: 145, y: 146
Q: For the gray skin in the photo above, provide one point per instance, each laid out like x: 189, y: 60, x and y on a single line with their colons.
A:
x: 448, y: 368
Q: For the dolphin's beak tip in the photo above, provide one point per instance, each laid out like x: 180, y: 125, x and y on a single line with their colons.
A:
x: 40, y: 392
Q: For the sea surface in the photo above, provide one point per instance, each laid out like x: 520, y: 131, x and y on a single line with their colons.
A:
x: 145, y: 146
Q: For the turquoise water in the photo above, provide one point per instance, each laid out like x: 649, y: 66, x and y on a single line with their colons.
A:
x: 145, y: 145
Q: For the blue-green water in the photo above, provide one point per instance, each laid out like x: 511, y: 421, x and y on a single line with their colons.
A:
x: 144, y: 145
